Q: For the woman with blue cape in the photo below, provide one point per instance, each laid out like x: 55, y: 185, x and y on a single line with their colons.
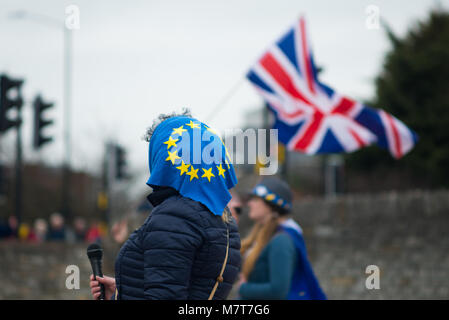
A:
x: 275, y: 259
x: 189, y: 246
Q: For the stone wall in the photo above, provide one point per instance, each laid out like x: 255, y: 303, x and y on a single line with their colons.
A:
x: 38, y: 271
x: 404, y: 234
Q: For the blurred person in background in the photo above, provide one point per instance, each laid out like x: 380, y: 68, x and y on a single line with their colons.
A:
x: 80, y: 229
x: 188, y: 248
x: 57, y: 230
x: 8, y: 230
x: 275, y: 258
x: 94, y: 233
x: 40, y: 230
x: 235, y: 206
x: 25, y: 232
x: 4, y: 230
x: 119, y: 231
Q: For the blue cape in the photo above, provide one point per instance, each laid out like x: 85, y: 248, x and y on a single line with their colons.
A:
x: 187, y: 155
x: 305, y: 285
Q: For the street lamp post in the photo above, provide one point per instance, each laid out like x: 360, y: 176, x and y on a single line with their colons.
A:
x: 67, y: 116
x: 67, y: 94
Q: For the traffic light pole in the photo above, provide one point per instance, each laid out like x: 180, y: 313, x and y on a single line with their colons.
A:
x: 7, y: 103
x: 108, y: 178
x: 18, y: 184
x: 67, y: 73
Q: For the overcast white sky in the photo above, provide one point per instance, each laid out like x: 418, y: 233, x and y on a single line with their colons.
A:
x: 135, y: 59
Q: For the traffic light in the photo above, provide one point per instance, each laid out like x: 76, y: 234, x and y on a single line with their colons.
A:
x: 39, y: 123
x: 9, y: 101
x: 120, y: 163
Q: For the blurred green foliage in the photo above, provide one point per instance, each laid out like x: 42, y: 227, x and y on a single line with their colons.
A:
x: 414, y: 86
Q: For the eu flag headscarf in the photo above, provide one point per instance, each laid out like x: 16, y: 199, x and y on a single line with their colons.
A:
x: 189, y: 156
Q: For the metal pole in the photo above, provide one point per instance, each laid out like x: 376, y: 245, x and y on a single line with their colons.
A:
x: 18, y: 186
x: 219, y: 106
x: 110, y: 172
x: 67, y: 93
x: 284, y: 168
x: 326, y: 176
x: 67, y: 71
x: 331, y: 164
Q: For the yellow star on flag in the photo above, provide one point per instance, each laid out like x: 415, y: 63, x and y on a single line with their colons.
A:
x: 193, y: 173
x: 221, y: 171
x: 173, y: 156
x: 170, y: 142
x: 207, y: 173
x: 193, y: 125
x: 179, y: 130
x: 183, y: 167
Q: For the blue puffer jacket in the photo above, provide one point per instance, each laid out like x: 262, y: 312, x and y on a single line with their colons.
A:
x: 178, y: 252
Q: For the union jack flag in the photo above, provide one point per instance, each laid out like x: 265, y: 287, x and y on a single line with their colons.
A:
x: 310, y: 116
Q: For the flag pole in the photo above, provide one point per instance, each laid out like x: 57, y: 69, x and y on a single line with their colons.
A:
x: 224, y: 99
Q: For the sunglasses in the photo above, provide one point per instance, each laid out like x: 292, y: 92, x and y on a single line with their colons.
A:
x: 238, y: 210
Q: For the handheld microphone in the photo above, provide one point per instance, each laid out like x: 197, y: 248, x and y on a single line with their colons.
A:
x: 95, y: 254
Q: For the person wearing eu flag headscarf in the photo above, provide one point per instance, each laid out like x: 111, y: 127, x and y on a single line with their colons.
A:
x: 275, y: 258
x: 189, y: 246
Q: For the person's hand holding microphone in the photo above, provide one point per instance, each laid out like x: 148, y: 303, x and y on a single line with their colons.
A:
x: 102, y: 288
x: 107, y: 282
